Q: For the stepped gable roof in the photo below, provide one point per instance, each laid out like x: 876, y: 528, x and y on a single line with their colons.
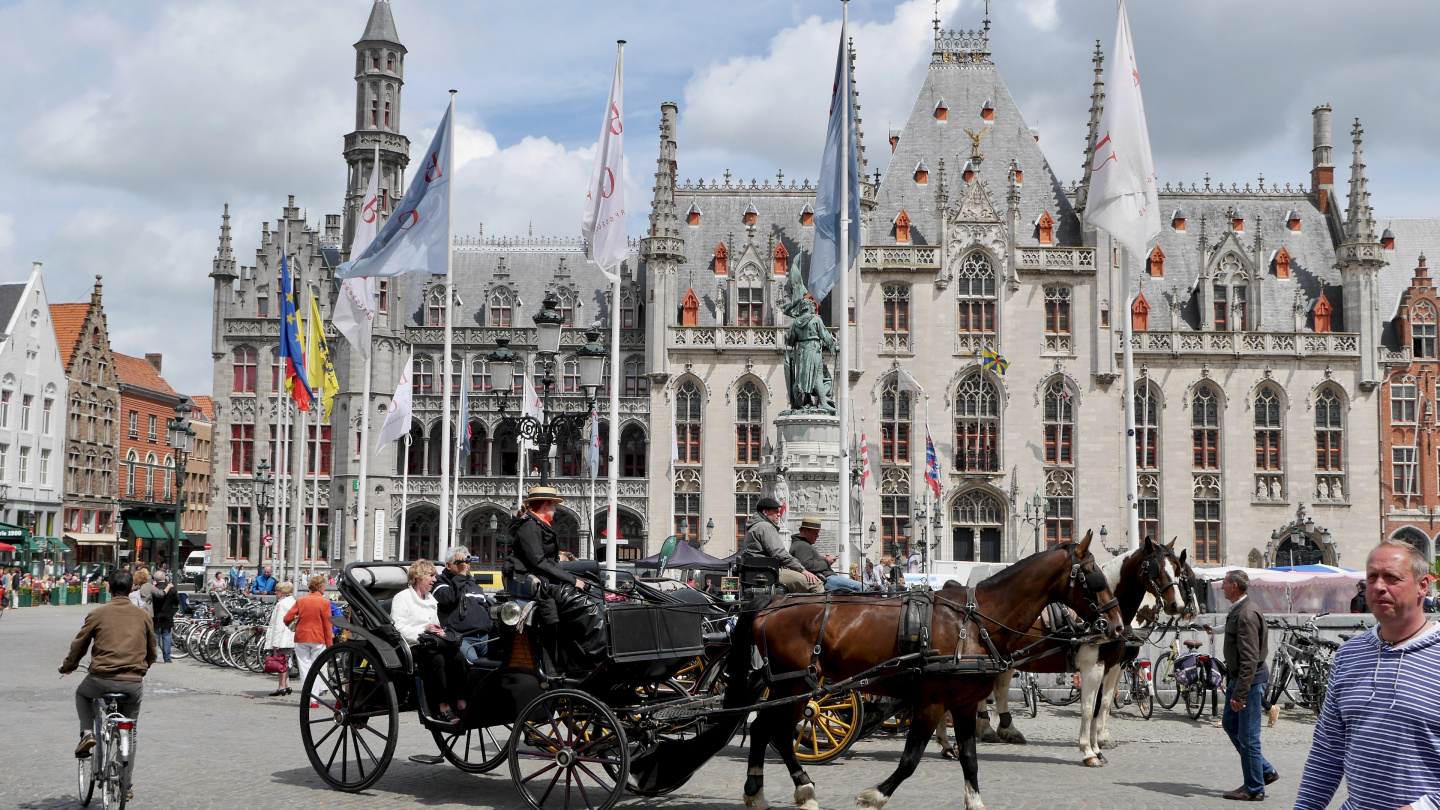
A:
x: 777, y: 210
x: 137, y: 372
x: 1312, y: 254
x: 69, y: 321
x: 530, y: 265
x: 10, y: 296
x: 1412, y: 238
x: 968, y: 79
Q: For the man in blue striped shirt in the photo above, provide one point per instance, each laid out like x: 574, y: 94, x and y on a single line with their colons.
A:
x: 1380, y: 726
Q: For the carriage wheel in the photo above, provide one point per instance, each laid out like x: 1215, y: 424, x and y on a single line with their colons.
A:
x: 831, y: 726
x: 475, y: 750
x: 351, y: 738
x: 568, y: 750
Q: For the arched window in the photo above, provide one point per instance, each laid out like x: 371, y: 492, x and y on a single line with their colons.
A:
x: 569, y: 300
x: 977, y: 425
x: 895, y: 513
x: 130, y: 461
x: 977, y: 520
x: 435, y: 307
x: 1403, y: 398
x: 571, y: 376
x: 636, y: 383
x: 1059, y: 423
x: 567, y: 531
x: 479, y: 451
x: 1422, y: 332
x: 749, y: 416
x: 1329, y: 441
x: 975, y: 288
x: 687, y: 506
x: 688, y: 403
x: 896, y: 334
x: 1059, y: 507
x: 245, y: 369
x: 420, y: 536
x: 894, y: 424
x: 1205, y: 428
x: 1147, y: 428
x: 747, y: 501
x: 1267, y: 429
x: 501, y: 305
x: 423, y: 379
x: 632, y: 452
x: 1207, y: 518
x: 480, y: 375
x: 432, y: 451
x: 275, y: 369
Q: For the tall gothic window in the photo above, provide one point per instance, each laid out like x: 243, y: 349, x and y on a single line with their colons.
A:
x: 424, y: 376
x: 632, y: 452
x: 1207, y: 518
x: 435, y: 307
x: 246, y: 360
x: 1059, y: 424
x: 1147, y: 428
x: 1059, y: 507
x: 1057, y: 311
x: 501, y: 306
x: 1422, y: 333
x: 977, y: 425
x: 568, y: 303
x: 687, y: 506
x: 894, y: 425
x: 897, y: 317
x: 480, y: 375
x: 636, y: 383
x: 749, y: 416
x: 1267, y: 430
x: 1329, y: 440
x: 895, y: 513
x: 1205, y: 428
x: 747, y: 501
x: 975, y: 287
x: 749, y: 306
x: 688, y: 405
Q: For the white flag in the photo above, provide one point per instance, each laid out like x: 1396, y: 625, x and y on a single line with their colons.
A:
x: 397, y: 421
x: 594, y: 453
x: 905, y: 382
x: 531, y: 404
x: 603, y: 224
x: 354, y: 311
x: 1122, y: 199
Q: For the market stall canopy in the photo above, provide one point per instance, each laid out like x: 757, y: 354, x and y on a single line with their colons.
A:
x: 1314, y: 569
x: 6, y: 547
x: 140, y: 527
x: 1286, y: 591
x: 86, y: 539
x: 687, y: 556
x: 9, y: 533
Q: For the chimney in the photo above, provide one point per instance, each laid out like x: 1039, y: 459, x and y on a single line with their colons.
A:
x: 154, y: 361
x: 1322, y: 170
x: 97, y: 292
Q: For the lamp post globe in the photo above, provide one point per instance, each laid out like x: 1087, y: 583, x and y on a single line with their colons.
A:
x: 502, y: 366
x: 548, y: 325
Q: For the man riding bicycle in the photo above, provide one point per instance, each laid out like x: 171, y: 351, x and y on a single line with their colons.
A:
x: 121, y: 641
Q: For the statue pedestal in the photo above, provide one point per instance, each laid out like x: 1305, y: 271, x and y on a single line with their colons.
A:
x: 803, y: 473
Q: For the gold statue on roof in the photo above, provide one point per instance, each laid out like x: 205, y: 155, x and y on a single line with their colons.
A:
x: 975, y: 143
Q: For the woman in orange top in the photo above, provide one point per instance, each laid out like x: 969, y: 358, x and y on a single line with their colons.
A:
x: 313, y: 633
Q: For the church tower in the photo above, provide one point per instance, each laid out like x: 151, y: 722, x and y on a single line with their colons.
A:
x: 379, y: 77
x: 1360, y: 256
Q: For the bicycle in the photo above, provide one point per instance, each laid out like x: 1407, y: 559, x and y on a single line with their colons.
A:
x: 108, y: 764
x: 1203, y: 680
x: 1164, y: 685
x: 1305, y: 659
x: 1135, y: 687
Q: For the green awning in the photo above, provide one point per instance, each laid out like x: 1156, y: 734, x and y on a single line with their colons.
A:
x: 140, y: 528
x: 10, y: 533
x: 157, y: 530
x: 172, y: 531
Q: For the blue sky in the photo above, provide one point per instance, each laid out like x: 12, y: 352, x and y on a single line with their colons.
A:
x: 129, y: 125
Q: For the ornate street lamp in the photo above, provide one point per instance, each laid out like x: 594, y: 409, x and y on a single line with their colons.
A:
x: 1035, y: 508
x: 181, y: 439
x: 554, y: 428
x: 261, y: 483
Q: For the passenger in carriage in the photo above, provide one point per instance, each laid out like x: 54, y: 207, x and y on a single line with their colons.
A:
x: 802, y: 548
x: 414, y: 613
x: 562, y: 600
x: 464, y: 605
x: 762, y: 539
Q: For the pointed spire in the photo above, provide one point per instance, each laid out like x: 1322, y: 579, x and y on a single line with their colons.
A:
x: 1097, y: 106
x: 855, y: 100
x: 224, y: 264
x: 1359, y: 218
x: 663, y: 221
x: 381, y: 25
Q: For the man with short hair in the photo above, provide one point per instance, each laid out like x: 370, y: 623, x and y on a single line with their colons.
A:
x: 762, y: 539
x: 1246, y: 650
x: 464, y: 606
x: 803, y: 549
x: 265, y: 583
x: 121, y: 641
x: 1378, y: 728
x: 1357, y: 602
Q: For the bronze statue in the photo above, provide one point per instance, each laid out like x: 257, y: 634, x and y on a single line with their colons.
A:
x: 807, y: 379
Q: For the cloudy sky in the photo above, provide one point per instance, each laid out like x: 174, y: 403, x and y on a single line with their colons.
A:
x: 129, y: 125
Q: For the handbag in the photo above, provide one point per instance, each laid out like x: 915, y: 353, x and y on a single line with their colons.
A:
x: 293, y: 623
x: 276, y: 663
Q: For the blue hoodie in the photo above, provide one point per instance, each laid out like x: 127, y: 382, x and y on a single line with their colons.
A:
x: 1379, y: 727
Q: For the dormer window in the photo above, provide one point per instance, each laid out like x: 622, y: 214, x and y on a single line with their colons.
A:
x: 1282, y: 263
x: 693, y: 217
x: 722, y: 260
x: 1157, y: 263
x: 1046, y: 228
x: 1323, y: 311
x: 987, y: 113
x: 942, y: 111
x: 1140, y: 314
x: 1237, y: 222
x: 894, y: 140
x: 969, y: 173
x: 1019, y: 177
x: 690, y: 309
x: 807, y: 216
x: 922, y: 173
x: 1387, y: 239
x: 1292, y: 221
x: 782, y: 258
x: 749, y: 216
x: 1177, y: 220
x: 902, y: 228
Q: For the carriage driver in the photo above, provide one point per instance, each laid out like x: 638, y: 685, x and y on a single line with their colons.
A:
x: 534, y: 568
x: 762, y: 539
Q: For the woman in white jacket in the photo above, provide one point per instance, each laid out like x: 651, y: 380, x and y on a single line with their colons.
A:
x: 280, y: 638
x: 414, y: 611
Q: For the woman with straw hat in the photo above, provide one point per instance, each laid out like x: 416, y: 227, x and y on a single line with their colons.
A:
x: 534, y: 572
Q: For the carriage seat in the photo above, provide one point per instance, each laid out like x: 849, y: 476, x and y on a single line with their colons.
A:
x: 582, y: 568
x: 382, y: 581
x: 1193, y: 644
x: 759, y: 572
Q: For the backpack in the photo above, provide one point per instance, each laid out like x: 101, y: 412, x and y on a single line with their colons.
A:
x: 1190, y: 669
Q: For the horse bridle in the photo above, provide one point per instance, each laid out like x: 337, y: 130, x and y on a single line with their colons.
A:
x: 1150, y: 570
x: 1092, y: 583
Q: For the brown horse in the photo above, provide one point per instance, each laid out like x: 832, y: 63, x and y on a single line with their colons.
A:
x: 840, y: 637
x: 1150, y: 570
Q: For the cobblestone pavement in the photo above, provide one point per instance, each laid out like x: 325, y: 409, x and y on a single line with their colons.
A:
x: 210, y: 738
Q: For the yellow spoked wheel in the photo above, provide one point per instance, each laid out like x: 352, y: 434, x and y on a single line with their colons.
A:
x: 830, y: 726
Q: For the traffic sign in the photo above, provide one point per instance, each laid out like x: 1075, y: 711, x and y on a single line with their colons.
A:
x: 269, y: 540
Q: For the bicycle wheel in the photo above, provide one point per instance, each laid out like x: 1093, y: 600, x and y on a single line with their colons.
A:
x: 1194, y: 699
x: 1142, y: 692
x: 112, y: 770
x: 1030, y: 696
x: 87, y: 779
x: 1166, y: 688
x: 1276, y: 687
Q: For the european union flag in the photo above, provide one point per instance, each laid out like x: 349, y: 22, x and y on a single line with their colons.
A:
x: 993, y: 361
x: 292, y: 352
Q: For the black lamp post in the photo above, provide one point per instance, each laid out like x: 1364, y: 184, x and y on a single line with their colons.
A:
x: 1035, y: 508
x: 181, y: 437
x: 555, y: 427
x: 261, y: 483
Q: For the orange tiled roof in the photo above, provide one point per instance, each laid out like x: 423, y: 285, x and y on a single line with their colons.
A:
x: 137, y: 371
x: 69, y: 321
x: 206, y: 406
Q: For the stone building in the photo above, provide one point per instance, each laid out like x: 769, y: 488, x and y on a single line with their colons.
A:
x: 32, y: 416
x: 148, y: 483
x: 91, y: 431
x: 198, y: 471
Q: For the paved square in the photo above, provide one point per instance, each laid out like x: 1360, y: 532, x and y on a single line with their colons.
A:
x: 210, y: 738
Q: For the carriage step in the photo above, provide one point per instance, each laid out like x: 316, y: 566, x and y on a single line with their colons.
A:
x: 688, y: 710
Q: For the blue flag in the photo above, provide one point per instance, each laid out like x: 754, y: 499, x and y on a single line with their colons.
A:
x: 932, y: 463
x: 413, y: 238
x: 828, y: 259
x: 292, y: 351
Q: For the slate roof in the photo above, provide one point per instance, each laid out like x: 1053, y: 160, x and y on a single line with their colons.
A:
x: 966, y: 82
x: 1412, y: 238
x: 137, y: 371
x: 69, y: 321
x: 10, y: 295
x: 1312, y: 254
x: 381, y: 25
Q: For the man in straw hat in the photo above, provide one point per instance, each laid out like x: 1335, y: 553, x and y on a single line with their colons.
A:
x: 534, y: 571
x: 803, y: 549
x: 762, y: 538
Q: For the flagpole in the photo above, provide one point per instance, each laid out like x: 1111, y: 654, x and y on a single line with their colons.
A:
x: 312, y: 546
x: 282, y: 409
x: 1132, y: 476
x: 444, y: 537
x: 612, y: 501
x: 590, y: 530
x: 282, y: 484
x: 402, y: 543
x: 842, y: 374
x: 459, y: 460
x: 360, y: 551
x: 298, y: 446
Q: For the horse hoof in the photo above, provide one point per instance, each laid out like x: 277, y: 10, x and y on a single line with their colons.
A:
x: 871, y: 799
x: 1094, y: 762
x: 1103, y: 760
x: 972, y: 799
x: 947, y: 753
x: 1107, y: 742
x: 990, y: 736
x: 756, y: 802
x: 1012, y: 736
x: 805, y: 797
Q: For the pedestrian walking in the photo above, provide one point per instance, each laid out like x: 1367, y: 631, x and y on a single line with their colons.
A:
x: 1379, y: 728
x: 279, y: 638
x: 312, y: 631
x: 163, y: 606
x: 1246, y: 650
x: 218, y: 584
x: 138, y: 597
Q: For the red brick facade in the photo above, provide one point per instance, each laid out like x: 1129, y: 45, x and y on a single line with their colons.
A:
x: 1410, y: 474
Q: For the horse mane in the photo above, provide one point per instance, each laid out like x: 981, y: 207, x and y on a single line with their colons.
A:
x: 1013, y: 570
x: 1112, y: 567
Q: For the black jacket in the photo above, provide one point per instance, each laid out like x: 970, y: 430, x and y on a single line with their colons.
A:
x: 464, y: 607
x: 811, y: 559
x: 165, y: 604
x: 535, y: 549
x: 1247, y: 646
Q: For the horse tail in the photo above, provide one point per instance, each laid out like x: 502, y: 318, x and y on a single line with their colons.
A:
x: 740, y: 688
